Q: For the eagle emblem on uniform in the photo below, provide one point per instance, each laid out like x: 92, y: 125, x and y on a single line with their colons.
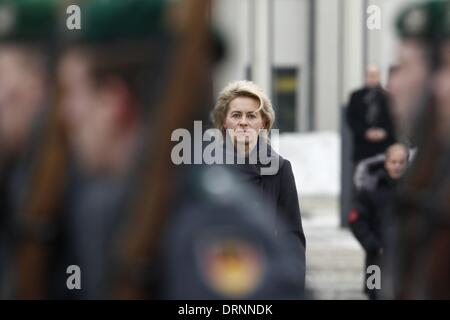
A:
x: 233, y: 267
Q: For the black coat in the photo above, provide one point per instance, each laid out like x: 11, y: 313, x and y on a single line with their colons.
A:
x: 368, y: 108
x: 206, y: 216
x: 368, y: 215
x: 5, y: 237
x: 369, y: 218
x: 277, y: 191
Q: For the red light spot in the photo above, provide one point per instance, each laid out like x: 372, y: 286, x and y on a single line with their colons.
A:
x: 353, y: 216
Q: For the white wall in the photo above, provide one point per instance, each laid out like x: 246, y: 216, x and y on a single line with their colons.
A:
x: 290, y: 48
x: 315, y: 159
x: 351, y: 59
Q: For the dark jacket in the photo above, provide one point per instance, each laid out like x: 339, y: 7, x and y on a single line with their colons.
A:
x: 369, y: 108
x: 277, y: 191
x: 369, y: 217
x: 197, y: 220
x: 5, y: 237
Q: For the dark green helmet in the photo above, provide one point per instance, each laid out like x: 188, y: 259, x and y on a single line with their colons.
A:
x: 106, y: 21
x: 429, y: 20
x: 28, y: 20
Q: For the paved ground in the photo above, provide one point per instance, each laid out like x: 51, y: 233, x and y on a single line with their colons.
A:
x: 334, y: 258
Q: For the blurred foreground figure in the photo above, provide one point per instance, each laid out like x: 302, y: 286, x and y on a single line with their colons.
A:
x: 118, y: 209
x: 368, y: 220
x: 25, y: 83
x: 419, y: 265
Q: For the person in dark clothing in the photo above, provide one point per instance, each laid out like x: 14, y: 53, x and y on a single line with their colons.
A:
x: 279, y: 190
x: 244, y: 114
x: 134, y: 225
x: 368, y: 219
x: 369, y: 118
x: 24, y: 99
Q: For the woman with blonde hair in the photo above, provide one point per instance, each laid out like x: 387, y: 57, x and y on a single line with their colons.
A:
x: 245, y: 115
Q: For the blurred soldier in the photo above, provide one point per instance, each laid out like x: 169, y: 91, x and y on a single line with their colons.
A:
x: 369, y: 118
x: 419, y: 263
x: 134, y: 225
x: 109, y: 74
x: 25, y: 39
x: 368, y: 218
x: 408, y: 84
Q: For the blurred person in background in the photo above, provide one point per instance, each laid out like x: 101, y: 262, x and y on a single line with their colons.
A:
x: 368, y: 219
x: 25, y: 86
x: 136, y: 226
x: 366, y: 167
x: 369, y: 118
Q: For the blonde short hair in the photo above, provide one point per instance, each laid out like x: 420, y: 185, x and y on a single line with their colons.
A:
x: 242, y: 88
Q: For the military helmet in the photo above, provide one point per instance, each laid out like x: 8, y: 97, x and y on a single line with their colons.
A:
x: 429, y: 20
x: 28, y: 20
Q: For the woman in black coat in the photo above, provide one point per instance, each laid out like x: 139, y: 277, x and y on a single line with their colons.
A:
x: 245, y: 115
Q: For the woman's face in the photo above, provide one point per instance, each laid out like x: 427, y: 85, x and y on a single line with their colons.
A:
x: 243, y: 122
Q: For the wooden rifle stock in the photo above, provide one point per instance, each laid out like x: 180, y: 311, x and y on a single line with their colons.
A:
x: 187, y: 78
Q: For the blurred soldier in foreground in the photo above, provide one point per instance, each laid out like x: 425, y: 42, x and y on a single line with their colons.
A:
x: 420, y: 262
x: 136, y: 226
x: 368, y: 219
x: 25, y: 39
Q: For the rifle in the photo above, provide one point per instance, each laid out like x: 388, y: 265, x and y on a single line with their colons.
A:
x: 186, y: 82
x: 40, y: 210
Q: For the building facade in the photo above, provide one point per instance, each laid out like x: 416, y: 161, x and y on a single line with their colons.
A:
x: 308, y: 55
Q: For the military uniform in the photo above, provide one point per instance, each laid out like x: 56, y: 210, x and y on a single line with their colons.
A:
x: 23, y: 24
x: 213, y: 245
